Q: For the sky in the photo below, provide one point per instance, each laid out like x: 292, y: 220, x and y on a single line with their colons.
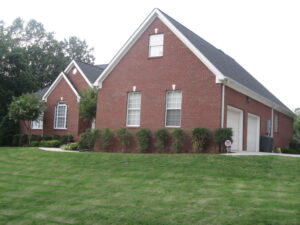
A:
x: 262, y: 35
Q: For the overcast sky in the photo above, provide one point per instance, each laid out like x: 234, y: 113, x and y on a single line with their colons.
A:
x: 262, y: 35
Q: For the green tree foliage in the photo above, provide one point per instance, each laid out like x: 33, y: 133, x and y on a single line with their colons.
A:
x: 26, y: 108
x: 88, y: 104
x: 31, y: 58
x: 8, y: 128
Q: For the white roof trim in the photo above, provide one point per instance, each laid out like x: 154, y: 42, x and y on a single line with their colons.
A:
x: 73, y: 63
x: 248, y: 92
x: 56, y: 82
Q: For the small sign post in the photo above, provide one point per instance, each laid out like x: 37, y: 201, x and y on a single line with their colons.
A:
x: 228, y: 144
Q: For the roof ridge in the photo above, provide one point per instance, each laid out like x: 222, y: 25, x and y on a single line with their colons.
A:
x: 78, y: 61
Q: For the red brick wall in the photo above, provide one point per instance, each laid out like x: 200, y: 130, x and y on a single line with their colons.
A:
x: 77, y: 80
x: 283, y: 137
x: 69, y: 97
x: 248, y: 105
x: 153, y: 77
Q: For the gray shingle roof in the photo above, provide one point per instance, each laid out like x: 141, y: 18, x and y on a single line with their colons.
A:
x: 91, y: 72
x: 40, y: 93
x: 225, y: 64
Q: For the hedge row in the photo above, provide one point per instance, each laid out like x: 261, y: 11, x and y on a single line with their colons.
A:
x: 45, y: 141
x: 162, y: 139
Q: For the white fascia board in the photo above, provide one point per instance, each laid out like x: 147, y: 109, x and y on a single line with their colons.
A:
x: 56, y: 82
x: 248, y: 92
x: 157, y: 14
x: 73, y: 63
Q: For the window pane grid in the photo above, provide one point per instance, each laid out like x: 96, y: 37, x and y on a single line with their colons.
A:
x: 134, y: 109
x: 61, y: 116
x: 173, y: 108
x: 156, y: 43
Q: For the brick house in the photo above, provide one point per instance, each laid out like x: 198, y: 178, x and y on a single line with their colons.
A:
x: 166, y: 76
x: 62, y: 98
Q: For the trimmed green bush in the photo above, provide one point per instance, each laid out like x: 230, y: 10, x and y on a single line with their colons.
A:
x: 290, y: 151
x: 72, y: 146
x: 35, y: 143
x: 88, y: 139
x: 221, y: 135
x: 125, y: 137
x: 162, y: 138
x: 200, y: 138
x: 67, y: 138
x: 20, y: 140
x: 106, y: 139
x: 47, y: 137
x: 178, y: 138
x: 143, y: 139
x: 35, y: 137
x: 50, y: 143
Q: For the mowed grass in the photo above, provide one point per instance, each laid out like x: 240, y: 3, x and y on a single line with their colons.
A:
x: 38, y: 187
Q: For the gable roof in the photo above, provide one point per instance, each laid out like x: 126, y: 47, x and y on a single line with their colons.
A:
x: 89, y: 72
x: 225, y: 68
x: 40, y: 93
x: 225, y: 64
x: 56, y: 82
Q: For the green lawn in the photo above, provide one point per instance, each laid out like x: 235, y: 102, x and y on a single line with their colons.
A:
x: 38, y: 187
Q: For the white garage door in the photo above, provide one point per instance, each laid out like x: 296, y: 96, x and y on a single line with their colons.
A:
x: 235, y: 121
x: 253, y: 133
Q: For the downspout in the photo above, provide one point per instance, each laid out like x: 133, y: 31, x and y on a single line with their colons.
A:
x: 272, y: 123
x: 223, y: 102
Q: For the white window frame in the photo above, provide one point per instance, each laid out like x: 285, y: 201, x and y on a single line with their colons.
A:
x: 38, y: 123
x: 150, y: 46
x: 64, y: 127
x: 166, y: 112
x: 128, y: 109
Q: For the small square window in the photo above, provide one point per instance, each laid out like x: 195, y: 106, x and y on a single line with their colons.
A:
x: 156, y: 45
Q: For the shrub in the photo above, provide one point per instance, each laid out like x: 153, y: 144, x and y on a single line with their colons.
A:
x: 71, y: 146
x: 8, y: 128
x: 47, y: 137
x: 35, y: 143
x: 88, y: 139
x: 50, y: 143
x: 125, y: 137
x: 64, y: 139
x: 221, y: 135
x: 178, y: 137
x: 143, y: 139
x: 106, y: 139
x: 200, y: 138
x: 162, y: 138
x: 20, y: 140
x: 294, y: 144
x: 36, y: 137
x: 290, y: 151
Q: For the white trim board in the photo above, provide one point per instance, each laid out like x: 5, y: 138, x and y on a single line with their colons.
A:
x: 56, y: 82
x: 73, y: 63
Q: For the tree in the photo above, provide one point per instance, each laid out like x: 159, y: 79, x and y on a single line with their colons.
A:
x: 26, y: 108
x: 88, y: 104
x: 31, y: 58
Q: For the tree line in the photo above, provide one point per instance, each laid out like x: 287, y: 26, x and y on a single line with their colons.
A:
x: 31, y: 58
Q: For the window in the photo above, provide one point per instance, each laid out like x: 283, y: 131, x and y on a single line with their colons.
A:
x: 173, y: 108
x: 60, y: 118
x: 156, y: 45
x: 275, y: 123
x: 133, y: 109
x: 38, y: 124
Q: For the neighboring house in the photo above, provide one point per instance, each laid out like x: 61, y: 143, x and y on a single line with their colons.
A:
x: 166, y: 76
x: 62, y: 98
